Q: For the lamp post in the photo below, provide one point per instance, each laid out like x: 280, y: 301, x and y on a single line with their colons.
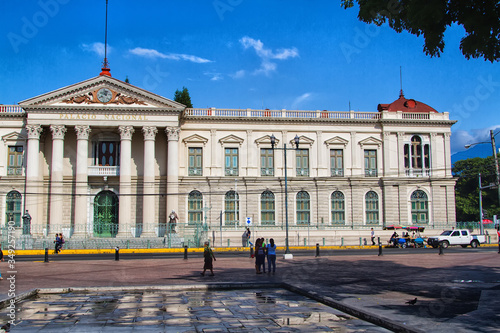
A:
x: 287, y: 255
x: 497, y: 172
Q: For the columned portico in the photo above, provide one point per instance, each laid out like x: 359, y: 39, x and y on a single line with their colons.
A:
x: 56, y: 175
x: 81, y: 206
x: 173, y: 168
x: 32, y: 177
x: 125, y: 180
x: 148, y: 209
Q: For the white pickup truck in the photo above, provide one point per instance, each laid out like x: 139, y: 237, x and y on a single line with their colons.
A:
x: 456, y: 237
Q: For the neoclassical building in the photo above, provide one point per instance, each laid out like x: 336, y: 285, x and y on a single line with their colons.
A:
x: 103, y: 158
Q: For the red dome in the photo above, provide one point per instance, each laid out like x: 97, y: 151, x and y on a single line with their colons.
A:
x: 406, y: 105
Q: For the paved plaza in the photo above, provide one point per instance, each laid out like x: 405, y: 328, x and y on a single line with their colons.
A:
x: 456, y: 292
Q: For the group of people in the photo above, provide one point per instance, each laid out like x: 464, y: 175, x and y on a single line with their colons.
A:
x: 261, y: 252
x: 58, y: 243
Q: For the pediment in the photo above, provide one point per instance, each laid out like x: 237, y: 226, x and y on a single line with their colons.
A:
x: 302, y: 140
x: 337, y: 140
x: 231, y: 139
x: 266, y: 139
x: 101, y: 92
x: 195, y: 138
x: 14, y: 136
x: 370, y: 141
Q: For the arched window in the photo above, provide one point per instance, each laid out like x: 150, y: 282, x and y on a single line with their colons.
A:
x: 419, y: 207
x: 303, y: 208
x: 371, y: 210
x: 195, y: 207
x: 13, y: 210
x: 338, y: 208
x: 105, y: 214
x: 231, y: 208
x: 267, y: 216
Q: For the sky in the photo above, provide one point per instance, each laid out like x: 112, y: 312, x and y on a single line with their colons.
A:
x: 295, y: 54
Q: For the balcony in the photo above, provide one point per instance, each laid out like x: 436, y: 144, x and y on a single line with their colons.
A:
x: 371, y: 173
x: 106, y: 170
x: 267, y: 172
x: 231, y: 172
x: 337, y: 172
x: 195, y: 171
x: 417, y: 172
x: 302, y: 172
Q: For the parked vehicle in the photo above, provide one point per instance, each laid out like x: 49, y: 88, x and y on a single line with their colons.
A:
x: 456, y: 237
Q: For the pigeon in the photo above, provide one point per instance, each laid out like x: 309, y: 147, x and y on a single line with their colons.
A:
x: 412, y: 302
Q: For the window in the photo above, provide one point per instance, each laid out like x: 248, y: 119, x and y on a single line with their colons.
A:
x: 107, y: 153
x: 371, y: 210
x: 195, y: 207
x: 337, y: 162
x: 455, y: 234
x: 302, y: 157
x: 338, y: 208
x: 370, y: 163
x: 231, y: 208
x: 266, y: 162
x: 15, y: 161
x: 303, y: 207
x: 231, y: 164
x: 267, y: 208
x: 195, y: 162
x: 417, y: 157
x: 464, y: 233
x: 419, y: 207
x: 13, y: 209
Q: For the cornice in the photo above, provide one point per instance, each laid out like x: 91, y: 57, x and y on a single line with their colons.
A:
x: 98, y: 108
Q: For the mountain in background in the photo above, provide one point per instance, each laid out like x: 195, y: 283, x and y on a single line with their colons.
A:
x: 482, y: 150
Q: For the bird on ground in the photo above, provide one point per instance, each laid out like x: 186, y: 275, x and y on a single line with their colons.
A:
x: 412, y: 302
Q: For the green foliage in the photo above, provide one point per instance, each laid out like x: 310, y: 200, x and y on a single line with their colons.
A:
x: 467, y: 188
x: 183, y: 97
x: 480, y: 20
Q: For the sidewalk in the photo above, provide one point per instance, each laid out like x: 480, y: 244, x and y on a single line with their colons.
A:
x: 455, y: 292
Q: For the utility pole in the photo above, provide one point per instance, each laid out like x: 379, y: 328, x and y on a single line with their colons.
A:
x: 497, y: 171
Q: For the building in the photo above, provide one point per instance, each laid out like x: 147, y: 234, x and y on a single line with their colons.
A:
x: 103, y: 158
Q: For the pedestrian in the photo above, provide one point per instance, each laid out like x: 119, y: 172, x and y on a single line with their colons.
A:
x: 271, y: 256
x: 57, y: 244
x: 260, y: 256
x: 248, y: 235
x: 263, y: 260
x: 244, y: 238
x: 208, y: 255
x: 61, y: 240
x: 1, y: 258
x: 373, y: 236
x: 172, y: 221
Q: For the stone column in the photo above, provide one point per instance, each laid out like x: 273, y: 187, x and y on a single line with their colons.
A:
x: 56, y: 179
x: 81, y: 188
x: 148, y: 206
x: 447, y: 155
x: 386, y: 151
x: 172, y: 169
x: 125, y: 210
x: 33, y: 179
x: 401, y: 155
x: 355, y: 168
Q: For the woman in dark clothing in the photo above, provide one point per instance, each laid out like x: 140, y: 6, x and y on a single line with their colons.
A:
x: 208, y: 255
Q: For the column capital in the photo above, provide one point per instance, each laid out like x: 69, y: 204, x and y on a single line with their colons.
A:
x: 58, y: 131
x: 126, y: 132
x: 172, y: 133
x: 34, y: 131
x: 401, y: 135
x: 82, y: 132
x: 149, y: 132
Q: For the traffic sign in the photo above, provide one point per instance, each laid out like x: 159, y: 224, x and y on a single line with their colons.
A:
x: 249, y: 220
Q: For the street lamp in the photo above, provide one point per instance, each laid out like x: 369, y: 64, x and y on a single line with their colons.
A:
x: 497, y: 171
x: 287, y: 255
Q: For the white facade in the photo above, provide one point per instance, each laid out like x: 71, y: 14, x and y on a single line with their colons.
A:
x: 104, y: 152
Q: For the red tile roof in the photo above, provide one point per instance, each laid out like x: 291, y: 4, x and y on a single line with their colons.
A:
x: 406, y: 105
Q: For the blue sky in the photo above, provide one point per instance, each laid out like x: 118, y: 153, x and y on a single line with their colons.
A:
x: 244, y: 54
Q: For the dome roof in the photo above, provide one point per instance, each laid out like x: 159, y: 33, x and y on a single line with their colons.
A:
x: 406, y: 105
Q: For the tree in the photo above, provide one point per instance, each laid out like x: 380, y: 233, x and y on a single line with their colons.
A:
x: 467, y: 188
x: 480, y: 19
x: 183, y: 97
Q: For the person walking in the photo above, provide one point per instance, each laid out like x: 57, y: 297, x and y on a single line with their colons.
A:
x: 208, y: 255
x: 372, y: 235
x: 57, y: 244
x: 61, y: 240
x: 244, y: 238
x: 260, y: 256
x: 271, y: 256
x: 1, y: 259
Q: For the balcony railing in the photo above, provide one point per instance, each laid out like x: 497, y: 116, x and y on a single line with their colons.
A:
x: 107, y: 170
x: 11, y: 109
x: 14, y: 171
x: 249, y: 113
x: 302, y: 172
x: 418, y: 172
x: 195, y: 172
x: 337, y: 172
x: 231, y: 172
x: 371, y: 173
x: 266, y: 172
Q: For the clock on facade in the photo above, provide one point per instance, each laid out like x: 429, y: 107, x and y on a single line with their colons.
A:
x: 104, y: 95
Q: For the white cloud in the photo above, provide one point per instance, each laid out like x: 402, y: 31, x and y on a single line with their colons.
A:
x: 266, y: 54
x: 461, y: 138
x: 96, y: 47
x: 296, y: 102
x: 152, y: 53
x: 214, y: 76
x: 239, y: 74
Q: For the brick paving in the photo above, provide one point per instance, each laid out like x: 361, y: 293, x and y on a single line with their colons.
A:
x: 456, y: 292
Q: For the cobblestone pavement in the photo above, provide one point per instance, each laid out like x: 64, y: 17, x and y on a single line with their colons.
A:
x: 456, y: 292
x: 253, y: 310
